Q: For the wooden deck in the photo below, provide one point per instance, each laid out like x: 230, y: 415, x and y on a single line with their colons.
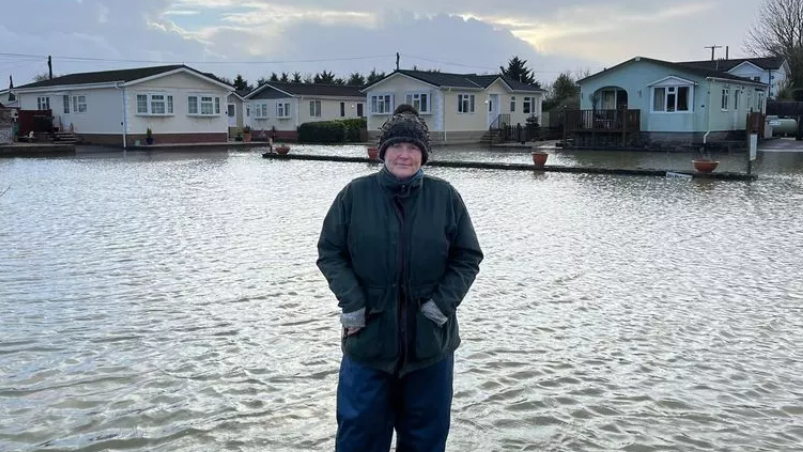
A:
x: 602, y: 127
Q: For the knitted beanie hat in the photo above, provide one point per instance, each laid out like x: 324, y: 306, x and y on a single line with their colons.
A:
x: 405, y: 126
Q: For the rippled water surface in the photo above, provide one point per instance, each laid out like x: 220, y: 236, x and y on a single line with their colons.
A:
x: 171, y: 302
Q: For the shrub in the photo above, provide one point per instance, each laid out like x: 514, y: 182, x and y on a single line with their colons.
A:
x: 355, y: 128
x: 322, y: 132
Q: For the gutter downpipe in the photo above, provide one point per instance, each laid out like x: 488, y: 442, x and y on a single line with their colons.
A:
x: 125, y: 116
x: 444, y: 114
x: 708, y: 126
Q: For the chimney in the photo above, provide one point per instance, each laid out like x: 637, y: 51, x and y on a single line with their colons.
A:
x: 727, y: 48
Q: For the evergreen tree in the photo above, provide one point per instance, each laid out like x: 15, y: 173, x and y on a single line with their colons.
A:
x: 517, y: 70
x: 356, y: 79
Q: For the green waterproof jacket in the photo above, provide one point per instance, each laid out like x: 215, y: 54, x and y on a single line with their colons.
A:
x: 388, y: 247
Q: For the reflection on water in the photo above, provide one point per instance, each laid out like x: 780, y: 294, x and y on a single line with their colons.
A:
x: 671, y: 161
x: 170, y: 302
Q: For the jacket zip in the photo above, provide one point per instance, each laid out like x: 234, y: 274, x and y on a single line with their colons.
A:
x: 402, y: 301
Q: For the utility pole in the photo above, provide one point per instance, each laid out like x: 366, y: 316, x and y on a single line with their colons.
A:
x: 713, y: 48
x: 50, y: 66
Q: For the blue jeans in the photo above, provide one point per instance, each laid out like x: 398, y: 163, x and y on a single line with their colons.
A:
x: 371, y: 403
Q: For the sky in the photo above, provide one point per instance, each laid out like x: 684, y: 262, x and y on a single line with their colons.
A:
x: 257, y: 37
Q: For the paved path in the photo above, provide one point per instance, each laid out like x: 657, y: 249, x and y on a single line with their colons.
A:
x: 781, y: 145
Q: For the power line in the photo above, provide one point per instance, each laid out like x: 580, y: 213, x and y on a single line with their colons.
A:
x: 113, y: 60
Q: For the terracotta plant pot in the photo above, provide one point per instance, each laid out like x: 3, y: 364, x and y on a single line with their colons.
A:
x: 247, y: 137
x: 282, y: 149
x: 705, y: 166
x: 373, y: 153
x: 539, y: 159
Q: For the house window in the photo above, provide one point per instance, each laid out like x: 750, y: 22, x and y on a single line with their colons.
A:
x: 203, y: 105
x: 465, y: 103
x: 670, y: 99
x: 759, y: 100
x: 420, y: 101
x: 513, y: 104
x: 248, y: 110
x: 382, y: 104
x: 43, y: 103
x: 315, y: 108
x: 65, y: 99
x: 260, y: 111
x: 142, y: 104
x: 736, y: 99
x: 757, y: 78
x: 158, y: 105
x: 147, y: 104
x: 725, y: 98
x: 342, y: 109
x: 528, y: 106
x: 206, y: 105
x: 192, y: 105
x: 283, y: 110
x: 79, y: 104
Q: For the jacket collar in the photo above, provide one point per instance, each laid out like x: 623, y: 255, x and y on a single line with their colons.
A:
x: 397, y: 186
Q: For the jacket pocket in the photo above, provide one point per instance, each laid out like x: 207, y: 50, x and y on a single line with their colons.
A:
x: 430, y: 339
x: 367, y: 343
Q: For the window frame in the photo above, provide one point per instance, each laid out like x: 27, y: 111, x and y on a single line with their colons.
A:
x: 410, y: 98
x: 203, y: 105
x: 471, y: 106
x: 285, y: 114
x: 315, y: 108
x: 43, y: 101
x: 388, y: 100
x: 167, y: 99
x: 677, y: 87
x: 528, y: 105
x: 76, y: 104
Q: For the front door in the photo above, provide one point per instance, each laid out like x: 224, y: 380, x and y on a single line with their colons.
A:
x: 493, y: 108
x: 359, y: 111
x: 232, y: 116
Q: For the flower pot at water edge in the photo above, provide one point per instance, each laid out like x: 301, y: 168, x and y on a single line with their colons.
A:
x: 373, y: 153
x: 539, y: 159
x: 705, y: 166
x: 282, y: 149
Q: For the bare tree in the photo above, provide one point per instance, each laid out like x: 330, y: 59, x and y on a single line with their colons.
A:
x: 778, y: 32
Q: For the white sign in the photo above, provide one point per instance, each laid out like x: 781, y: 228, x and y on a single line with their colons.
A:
x: 753, y: 146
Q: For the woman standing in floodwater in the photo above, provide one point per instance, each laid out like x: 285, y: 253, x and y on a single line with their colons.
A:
x: 400, y: 253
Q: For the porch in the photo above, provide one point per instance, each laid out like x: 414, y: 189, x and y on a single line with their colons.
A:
x: 601, y: 128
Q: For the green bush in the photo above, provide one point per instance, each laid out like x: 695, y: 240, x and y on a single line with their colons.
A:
x: 354, y: 128
x: 322, y: 132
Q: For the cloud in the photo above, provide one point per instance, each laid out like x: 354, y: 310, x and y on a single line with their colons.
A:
x: 256, y: 37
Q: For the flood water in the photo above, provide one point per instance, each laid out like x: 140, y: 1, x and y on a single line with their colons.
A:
x: 171, y: 302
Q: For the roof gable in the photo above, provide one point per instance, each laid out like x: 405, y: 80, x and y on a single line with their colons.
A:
x: 672, y: 80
